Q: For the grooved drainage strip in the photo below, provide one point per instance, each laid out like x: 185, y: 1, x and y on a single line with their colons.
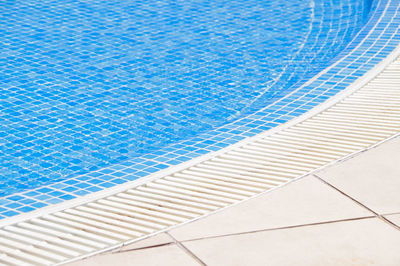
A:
x: 366, y: 114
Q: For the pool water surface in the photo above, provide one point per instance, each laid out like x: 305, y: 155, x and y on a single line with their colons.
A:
x: 89, y: 84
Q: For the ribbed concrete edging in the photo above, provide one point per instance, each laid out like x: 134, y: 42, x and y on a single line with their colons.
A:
x: 365, y: 114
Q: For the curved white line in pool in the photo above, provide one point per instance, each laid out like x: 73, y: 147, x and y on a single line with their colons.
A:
x: 127, y: 101
x: 284, y: 109
x: 358, y: 57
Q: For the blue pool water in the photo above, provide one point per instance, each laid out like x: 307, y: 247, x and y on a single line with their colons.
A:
x: 87, y: 84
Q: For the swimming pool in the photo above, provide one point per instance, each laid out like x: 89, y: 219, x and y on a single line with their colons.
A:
x: 89, y: 88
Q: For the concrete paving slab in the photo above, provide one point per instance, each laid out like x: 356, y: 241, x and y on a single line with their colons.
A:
x: 305, y: 201
x: 359, y: 242
x: 373, y: 177
x: 169, y: 255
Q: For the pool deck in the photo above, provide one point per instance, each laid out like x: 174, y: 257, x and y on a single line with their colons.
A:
x: 345, y: 214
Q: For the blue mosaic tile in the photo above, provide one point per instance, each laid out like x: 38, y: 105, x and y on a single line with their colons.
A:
x: 88, y: 103
x: 88, y: 85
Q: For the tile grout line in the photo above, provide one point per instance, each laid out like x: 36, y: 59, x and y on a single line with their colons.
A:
x: 281, y: 228
x: 179, y: 243
x: 379, y: 216
x: 391, y: 213
x: 141, y: 248
x: 344, y: 194
x: 186, y: 250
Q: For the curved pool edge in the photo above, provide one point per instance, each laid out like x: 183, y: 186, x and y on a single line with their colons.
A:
x: 320, y: 108
x: 249, y: 126
x: 342, y: 102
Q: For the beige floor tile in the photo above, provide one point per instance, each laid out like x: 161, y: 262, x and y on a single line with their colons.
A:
x: 305, y: 201
x: 159, y: 239
x: 169, y: 255
x: 360, y: 242
x: 394, y: 218
x: 373, y: 177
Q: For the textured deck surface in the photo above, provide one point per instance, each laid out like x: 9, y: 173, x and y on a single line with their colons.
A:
x: 347, y: 214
